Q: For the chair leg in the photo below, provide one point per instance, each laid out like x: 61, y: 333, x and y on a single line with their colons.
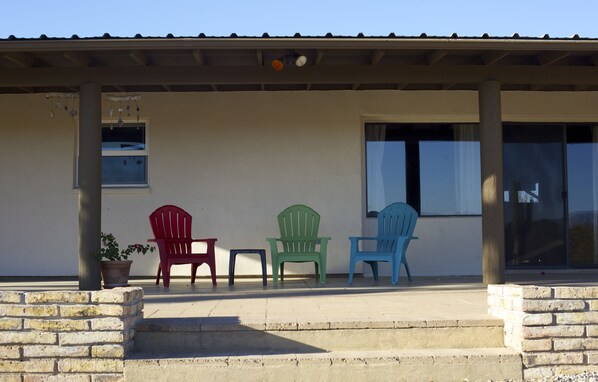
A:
x: 351, y: 269
x: 374, y: 266
x: 166, y: 276
x: 275, y: 272
x: 282, y: 271
x: 158, y: 276
x: 316, y: 266
x: 407, y: 269
x: 194, y: 267
x: 395, y: 268
x: 212, y: 265
x: 323, y: 270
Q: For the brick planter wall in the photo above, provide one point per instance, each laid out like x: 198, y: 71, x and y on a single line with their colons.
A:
x: 554, y: 328
x: 67, y: 335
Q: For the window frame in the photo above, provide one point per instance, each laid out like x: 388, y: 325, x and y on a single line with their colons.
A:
x: 119, y: 153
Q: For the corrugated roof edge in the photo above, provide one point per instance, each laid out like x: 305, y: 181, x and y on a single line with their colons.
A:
x: 298, y: 35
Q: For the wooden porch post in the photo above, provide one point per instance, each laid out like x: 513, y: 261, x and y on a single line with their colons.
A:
x: 491, y: 152
x: 90, y: 185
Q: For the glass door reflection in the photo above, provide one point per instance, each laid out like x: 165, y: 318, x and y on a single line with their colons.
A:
x: 533, y: 198
x: 582, y: 180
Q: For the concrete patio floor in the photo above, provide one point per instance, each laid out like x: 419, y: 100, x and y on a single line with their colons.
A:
x: 304, y: 300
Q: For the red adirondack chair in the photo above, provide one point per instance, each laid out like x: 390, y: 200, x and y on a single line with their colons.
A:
x: 172, y: 231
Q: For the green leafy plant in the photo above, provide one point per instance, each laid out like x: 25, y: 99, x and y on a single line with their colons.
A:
x: 110, y: 249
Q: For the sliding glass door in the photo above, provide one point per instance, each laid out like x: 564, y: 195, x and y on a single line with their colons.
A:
x: 582, y: 171
x: 551, y: 195
x: 533, y: 197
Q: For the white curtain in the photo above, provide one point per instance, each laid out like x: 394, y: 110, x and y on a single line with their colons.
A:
x: 467, y: 170
x: 594, y: 166
x: 376, y: 194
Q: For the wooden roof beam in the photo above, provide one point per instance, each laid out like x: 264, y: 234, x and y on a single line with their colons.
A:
x: 77, y: 58
x: 324, y: 74
x: 25, y: 90
x: 377, y: 56
x: 319, y: 57
x: 23, y: 60
x: 260, y: 57
x: 492, y: 58
x: 198, y: 57
x: 139, y: 57
x: 549, y: 58
x: 435, y: 57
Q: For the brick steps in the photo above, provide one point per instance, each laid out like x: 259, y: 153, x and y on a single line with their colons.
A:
x: 329, y: 351
x: 182, y: 336
x: 380, y: 365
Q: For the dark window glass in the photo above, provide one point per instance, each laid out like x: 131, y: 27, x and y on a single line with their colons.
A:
x: 582, y: 172
x: 533, y: 195
x: 124, y: 170
x: 124, y: 159
x: 125, y: 137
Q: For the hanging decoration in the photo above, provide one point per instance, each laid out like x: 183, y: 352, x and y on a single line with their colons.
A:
x: 124, y: 104
x: 63, y: 101
x: 120, y: 106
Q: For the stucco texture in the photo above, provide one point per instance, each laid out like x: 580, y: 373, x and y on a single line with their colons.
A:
x: 234, y: 161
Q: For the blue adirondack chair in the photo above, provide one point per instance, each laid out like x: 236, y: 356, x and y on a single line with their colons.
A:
x: 396, y: 223
x: 299, y: 237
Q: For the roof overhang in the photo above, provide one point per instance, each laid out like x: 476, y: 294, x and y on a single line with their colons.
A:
x: 349, y: 63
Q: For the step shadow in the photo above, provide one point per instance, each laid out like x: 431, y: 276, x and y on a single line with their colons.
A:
x: 210, y: 337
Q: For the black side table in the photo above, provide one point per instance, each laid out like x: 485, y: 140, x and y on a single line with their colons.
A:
x: 233, y: 256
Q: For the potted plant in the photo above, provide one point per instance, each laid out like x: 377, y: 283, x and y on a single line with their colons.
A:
x: 115, y: 263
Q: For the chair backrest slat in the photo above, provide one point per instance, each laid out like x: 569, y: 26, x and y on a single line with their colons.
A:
x: 396, y: 219
x: 299, y: 226
x: 173, y: 224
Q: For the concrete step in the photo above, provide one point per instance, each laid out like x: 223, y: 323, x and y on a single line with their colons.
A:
x: 202, y: 336
x: 358, y: 365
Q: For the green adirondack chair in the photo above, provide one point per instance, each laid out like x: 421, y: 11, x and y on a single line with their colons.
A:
x: 299, y: 240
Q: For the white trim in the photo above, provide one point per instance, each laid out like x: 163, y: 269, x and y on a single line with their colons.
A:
x: 129, y: 189
x: 538, y: 118
x: 420, y: 118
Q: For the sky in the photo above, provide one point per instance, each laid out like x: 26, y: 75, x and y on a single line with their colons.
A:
x: 125, y: 18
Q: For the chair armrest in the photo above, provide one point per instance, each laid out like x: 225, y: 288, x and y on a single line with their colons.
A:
x: 204, y: 240
x: 273, y: 246
x: 323, y: 239
x: 358, y: 238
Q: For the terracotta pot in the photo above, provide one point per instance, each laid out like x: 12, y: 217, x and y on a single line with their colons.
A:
x: 116, y: 273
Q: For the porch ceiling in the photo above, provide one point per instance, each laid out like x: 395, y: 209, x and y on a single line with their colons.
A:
x: 164, y: 64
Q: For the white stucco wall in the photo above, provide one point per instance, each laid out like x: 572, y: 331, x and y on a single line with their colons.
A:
x: 234, y: 161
